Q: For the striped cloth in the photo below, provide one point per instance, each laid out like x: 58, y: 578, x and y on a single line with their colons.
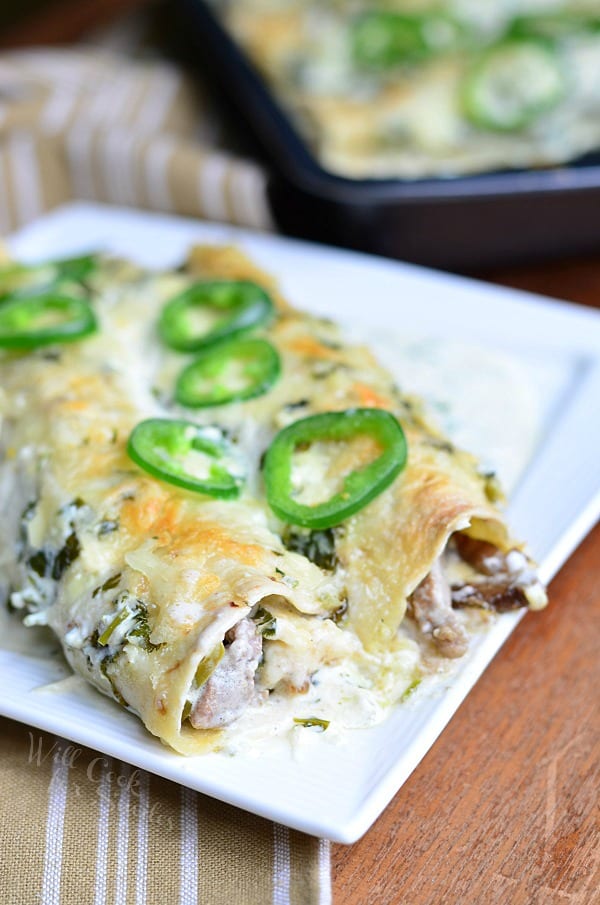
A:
x: 93, y: 125
x: 78, y: 828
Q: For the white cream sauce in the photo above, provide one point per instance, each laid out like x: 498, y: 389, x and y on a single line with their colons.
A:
x: 485, y: 401
x: 344, y: 696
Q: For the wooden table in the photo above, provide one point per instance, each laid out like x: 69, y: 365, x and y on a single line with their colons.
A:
x: 503, y: 809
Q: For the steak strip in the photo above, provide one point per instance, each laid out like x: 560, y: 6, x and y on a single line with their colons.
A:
x: 431, y: 606
x: 511, y: 582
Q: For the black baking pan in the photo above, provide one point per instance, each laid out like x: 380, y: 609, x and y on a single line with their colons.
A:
x: 460, y: 223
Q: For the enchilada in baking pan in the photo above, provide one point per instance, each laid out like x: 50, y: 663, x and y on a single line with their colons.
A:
x: 412, y: 89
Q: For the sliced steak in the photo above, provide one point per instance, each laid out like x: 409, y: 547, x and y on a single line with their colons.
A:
x: 510, y: 584
x: 431, y: 606
x: 499, y: 596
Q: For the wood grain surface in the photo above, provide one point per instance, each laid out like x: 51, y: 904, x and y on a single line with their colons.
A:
x: 504, y: 808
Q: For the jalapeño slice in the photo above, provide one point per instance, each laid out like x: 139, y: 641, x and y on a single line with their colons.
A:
x: 29, y: 321
x: 359, y: 487
x: 195, y: 457
x: 209, y: 312
x: 384, y: 39
x: 229, y: 372
x: 25, y: 279
x: 556, y: 25
x: 512, y: 84
x: 77, y: 268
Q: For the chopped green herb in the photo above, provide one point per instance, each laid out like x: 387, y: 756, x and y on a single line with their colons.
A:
x: 493, y: 488
x: 142, y: 629
x: 66, y: 556
x: 286, y: 579
x: 411, y: 688
x: 77, y: 503
x: 207, y: 665
x: 26, y: 517
x: 442, y: 445
x: 121, y: 616
x: 78, y: 268
x: 8, y: 601
x: 329, y: 344
x: 318, y: 546
x: 339, y: 615
x: 312, y: 722
x: 27, y: 513
x: 104, y: 664
x: 40, y: 563
x: 108, y: 585
x: 300, y: 404
x: 107, y: 527
x: 50, y: 354
x: 266, y: 623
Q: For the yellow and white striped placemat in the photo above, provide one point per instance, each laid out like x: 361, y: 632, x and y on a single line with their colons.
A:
x: 81, y: 828
x: 93, y: 125
x: 78, y: 828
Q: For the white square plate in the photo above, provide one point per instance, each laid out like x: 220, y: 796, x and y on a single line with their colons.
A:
x: 333, y: 790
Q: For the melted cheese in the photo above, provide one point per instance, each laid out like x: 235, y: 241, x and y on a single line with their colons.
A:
x: 141, y: 580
